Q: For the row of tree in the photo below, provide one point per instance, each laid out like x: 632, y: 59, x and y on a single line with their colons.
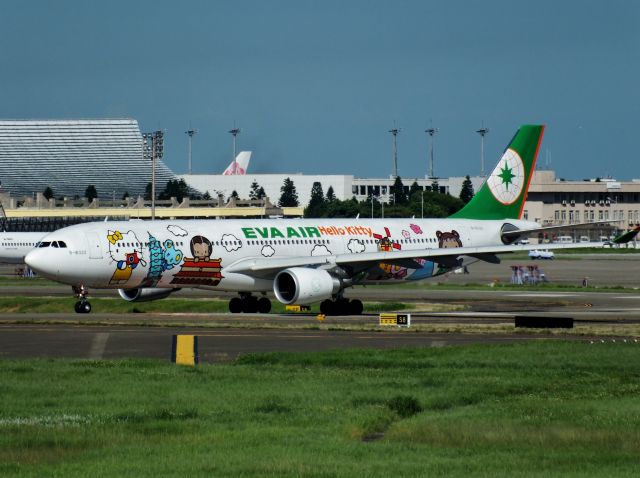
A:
x: 414, y: 202
x: 90, y: 193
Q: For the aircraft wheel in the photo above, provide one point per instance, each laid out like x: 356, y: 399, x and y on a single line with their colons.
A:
x: 264, y: 305
x: 342, y: 307
x: 82, y: 307
x: 355, y: 307
x: 235, y: 305
x: 250, y: 305
x: 327, y: 307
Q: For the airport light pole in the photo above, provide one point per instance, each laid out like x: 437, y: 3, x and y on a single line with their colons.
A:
x: 431, y: 131
x: 422, y: 203
x: 234, y: 132
x: 190, y: 132
x: 394, y: 132
x: 371, y: 205
x: 482, y: 132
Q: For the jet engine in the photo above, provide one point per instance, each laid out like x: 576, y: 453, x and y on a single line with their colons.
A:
x: 145, y: 294
x: 301, y: 285
x: 509, y: 233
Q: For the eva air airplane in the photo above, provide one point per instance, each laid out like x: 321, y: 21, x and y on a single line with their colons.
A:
x: 302, y: 261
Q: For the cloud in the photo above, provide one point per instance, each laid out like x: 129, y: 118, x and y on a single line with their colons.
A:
x: 320, y: 250
x: 267, y: 251
x: 355, y: 246
x: 406, y: 234
x: 231, y: 242
x: 177, y: 230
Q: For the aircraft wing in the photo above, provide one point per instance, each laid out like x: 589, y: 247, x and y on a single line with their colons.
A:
x: 521, y: 232
x: 265, y: 266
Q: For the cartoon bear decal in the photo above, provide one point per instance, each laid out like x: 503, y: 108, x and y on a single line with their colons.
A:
x: 449, y: 239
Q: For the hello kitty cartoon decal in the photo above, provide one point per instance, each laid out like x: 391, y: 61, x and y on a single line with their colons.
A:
x: 126, y: 251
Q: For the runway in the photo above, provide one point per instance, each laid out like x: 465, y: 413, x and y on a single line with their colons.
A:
x: 224, y: 337
x: 488, y: 313
x: 219, y: 345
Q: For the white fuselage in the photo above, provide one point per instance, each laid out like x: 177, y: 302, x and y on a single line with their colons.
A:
x: 14, y: 246
x: 195, y: 253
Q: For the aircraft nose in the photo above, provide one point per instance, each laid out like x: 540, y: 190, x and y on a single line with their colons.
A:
x: 37, y: 260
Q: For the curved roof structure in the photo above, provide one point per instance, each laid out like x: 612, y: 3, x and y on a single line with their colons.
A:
x: 69, y: 155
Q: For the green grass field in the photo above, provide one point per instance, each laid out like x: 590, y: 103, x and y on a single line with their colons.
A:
x: 529, y: 409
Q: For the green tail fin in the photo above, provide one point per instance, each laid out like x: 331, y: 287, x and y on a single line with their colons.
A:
x: 503, y: 194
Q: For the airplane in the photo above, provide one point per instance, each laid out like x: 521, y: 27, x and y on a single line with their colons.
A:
x: 302, y: 261
x: 14, y: 246
x: 239, y: 165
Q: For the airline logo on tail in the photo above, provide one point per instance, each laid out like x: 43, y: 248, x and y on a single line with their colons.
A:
x: 240, y: 165
x: 504, y: 193
x: 507, y: 179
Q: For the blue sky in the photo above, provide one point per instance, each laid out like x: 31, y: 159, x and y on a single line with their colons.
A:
x: 316, y: 85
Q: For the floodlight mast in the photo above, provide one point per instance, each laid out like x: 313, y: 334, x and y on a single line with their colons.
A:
x: 152, y: 148
x: 482, y: 132
x: 190, y: 132
x: 431, y: 132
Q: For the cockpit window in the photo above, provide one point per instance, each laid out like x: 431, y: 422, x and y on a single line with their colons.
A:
x: 61, y: 244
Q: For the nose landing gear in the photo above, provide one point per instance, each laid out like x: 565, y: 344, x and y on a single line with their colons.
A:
x: 82, y: 306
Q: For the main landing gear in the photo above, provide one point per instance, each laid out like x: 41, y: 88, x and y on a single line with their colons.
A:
x: 82, y: 306
x: 341, y: 306
x: 249, y: 304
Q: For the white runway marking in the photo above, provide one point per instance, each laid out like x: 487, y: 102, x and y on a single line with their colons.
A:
x: 98, y: 345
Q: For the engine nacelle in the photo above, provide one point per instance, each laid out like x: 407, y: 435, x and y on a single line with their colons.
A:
x: 145, y: 294
x: 510, y: 237
x: 301, y: 285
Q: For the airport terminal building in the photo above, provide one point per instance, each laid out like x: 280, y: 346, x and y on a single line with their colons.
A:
x: 554, y: 201
x: 69, y: 155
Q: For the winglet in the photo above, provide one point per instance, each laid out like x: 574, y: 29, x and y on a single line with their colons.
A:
x: 504, y: 193
x: 627, y: 236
